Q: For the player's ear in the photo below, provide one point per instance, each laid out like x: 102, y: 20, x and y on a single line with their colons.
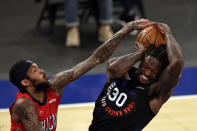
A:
x: 25, y: 82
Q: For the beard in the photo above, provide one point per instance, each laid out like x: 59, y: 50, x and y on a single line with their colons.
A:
x: 42, y: 86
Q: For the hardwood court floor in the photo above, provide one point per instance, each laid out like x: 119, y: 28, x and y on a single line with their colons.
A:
x: 177, y: 114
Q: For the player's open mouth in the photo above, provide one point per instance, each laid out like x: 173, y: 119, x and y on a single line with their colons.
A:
x: 144, y: 77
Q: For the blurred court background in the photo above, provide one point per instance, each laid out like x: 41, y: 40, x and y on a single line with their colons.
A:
x: 19, y: 39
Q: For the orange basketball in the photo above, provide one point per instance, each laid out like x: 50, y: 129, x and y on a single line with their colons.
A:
x: 151, y: 35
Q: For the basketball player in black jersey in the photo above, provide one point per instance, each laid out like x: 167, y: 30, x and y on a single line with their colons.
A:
x: 133, y: 96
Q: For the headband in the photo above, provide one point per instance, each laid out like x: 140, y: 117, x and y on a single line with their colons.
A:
x: 22, y: 72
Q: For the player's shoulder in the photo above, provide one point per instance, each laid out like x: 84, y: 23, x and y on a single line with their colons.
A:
x: 22, y: 103
x: 21, y: 107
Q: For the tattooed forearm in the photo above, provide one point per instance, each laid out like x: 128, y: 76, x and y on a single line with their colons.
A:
x: 27, y: 114
x: 107, y: 49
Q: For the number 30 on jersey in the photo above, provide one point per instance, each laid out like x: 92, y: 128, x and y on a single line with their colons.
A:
x: 119, y: 98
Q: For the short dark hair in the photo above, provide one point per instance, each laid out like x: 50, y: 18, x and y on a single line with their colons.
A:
x: 159, y: 53
x: 13, y: 72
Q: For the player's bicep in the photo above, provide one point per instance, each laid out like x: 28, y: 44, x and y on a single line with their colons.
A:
x: 170, y: 77
x: 27, y: 114
x: 166, y: 83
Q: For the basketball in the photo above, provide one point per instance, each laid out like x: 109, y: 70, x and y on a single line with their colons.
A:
x: 150, y: 35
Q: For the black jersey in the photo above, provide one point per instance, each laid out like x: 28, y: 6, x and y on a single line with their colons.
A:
x: 123, y: 105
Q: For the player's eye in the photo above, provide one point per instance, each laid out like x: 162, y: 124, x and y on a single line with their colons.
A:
x: 35, y: 69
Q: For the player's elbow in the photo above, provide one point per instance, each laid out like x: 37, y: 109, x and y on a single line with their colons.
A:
x: 112, y: 67
x: 179, y: 63
x: 176, y: 66
x: 114, y: 71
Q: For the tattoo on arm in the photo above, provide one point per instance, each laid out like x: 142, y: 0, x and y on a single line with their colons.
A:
x: 107, y: 49
x: 27, y: 114
x: 102, y: 53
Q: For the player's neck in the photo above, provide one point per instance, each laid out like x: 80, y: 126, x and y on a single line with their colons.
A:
x: 38, y: 95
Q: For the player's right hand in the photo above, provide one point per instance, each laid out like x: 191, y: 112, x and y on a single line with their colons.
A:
x: 141, y: 24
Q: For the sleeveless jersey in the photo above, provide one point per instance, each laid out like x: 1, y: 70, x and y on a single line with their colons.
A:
x: 47, y: 111
x: 123, y: 105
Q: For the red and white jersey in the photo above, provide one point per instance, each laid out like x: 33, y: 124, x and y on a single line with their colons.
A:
x: 47, y: 112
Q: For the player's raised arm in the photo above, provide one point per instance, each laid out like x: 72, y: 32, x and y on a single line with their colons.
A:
x: 102, y: 53
x: 118, y: 66
x: 24, y: 111
x: 172, y: 73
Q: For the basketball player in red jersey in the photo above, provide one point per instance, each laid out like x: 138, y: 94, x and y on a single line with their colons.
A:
x: 132, y: 96
x: 35, y: 108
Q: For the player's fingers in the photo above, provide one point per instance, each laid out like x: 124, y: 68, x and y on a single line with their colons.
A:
x: 142, y: 26
x: 143, y: 20
x: 152, y: 24
x: 148, y: 24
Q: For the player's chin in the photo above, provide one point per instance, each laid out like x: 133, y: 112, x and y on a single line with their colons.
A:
x: 144, y: 80
x: 43, y: 80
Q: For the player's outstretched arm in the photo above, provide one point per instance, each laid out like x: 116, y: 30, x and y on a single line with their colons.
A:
x: 102, y: 53
x: 172, y: 73
x: 119, y: 66
x: 24, y: 111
